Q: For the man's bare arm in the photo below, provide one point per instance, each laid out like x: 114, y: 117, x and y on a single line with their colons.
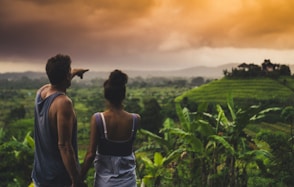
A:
x: 65, y: 124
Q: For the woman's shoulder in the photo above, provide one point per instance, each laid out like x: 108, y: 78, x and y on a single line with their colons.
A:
x: 136, y: 115
x: 97, y: 113
x: 96, y: 116
x: 133, y: 114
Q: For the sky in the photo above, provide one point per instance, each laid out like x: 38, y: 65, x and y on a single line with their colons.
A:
x: 145, y: 34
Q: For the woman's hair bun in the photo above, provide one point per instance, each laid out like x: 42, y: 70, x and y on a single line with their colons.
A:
x: 118, y: 78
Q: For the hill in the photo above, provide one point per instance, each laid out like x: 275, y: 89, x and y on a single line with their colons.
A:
x: 257, y: 89
x: 197, y: 71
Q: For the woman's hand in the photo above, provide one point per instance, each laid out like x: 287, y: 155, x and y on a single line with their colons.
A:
x: 80, y: 184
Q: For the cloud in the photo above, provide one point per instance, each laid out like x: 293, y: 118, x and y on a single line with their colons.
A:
x: 174, y: 41
x: 239, y: 23
x: 113, y: 31
x: 37, y: 27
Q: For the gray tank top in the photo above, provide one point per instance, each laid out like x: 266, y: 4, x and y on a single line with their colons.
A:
x: 48, y: 167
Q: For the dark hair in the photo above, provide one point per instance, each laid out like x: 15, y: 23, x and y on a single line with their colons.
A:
x: 115, y: 87
x: 57, y: 68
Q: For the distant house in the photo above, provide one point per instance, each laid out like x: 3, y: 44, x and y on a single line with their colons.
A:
x: 248, y: 67
x: 267, y: 66
x: 244, y: 66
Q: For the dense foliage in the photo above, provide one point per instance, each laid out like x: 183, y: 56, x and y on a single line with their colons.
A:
x: 214, y: 149
x: 219, y: 141
x: 17, y: 112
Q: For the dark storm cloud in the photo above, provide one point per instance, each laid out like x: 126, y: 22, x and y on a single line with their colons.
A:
x: 132, y: 31
x: 92, y: 29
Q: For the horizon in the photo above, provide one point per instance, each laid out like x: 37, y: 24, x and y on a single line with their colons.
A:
x: 195, y: 71
x: 125, y: 69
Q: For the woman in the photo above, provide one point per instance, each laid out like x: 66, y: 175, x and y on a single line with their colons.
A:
x: 112, y: 135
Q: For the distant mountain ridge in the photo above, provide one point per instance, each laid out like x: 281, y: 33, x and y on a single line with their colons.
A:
x: 20, y: 75
x: 196, y: 71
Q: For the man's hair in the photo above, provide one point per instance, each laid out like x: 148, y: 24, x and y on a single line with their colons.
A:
x: 57, y: 68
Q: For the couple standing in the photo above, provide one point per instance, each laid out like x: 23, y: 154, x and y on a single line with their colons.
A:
x: 112, y: 133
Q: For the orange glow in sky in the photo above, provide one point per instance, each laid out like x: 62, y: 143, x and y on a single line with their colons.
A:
x: 145, y: 34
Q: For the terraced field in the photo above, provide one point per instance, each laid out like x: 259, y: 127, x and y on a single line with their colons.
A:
x: 257, y: 89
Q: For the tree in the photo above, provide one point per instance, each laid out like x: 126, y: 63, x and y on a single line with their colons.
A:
x: 18, y: 112
x: 197, y: 81
x: 133, y: 105
x: 285, y: 70
x: 151, y: 115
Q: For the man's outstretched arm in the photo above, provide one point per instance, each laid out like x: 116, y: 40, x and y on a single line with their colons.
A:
x: 78, y: 72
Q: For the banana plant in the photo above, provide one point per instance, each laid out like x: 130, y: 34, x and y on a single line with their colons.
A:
x: 166, y: 152
x: 164, y: 143
x: 215, y: 146
x: 218, y: 143
x: 16, y: 154
x: 157, y: 169
x: 194, y: 136
x: 288, y: 115
x: 231, y: 144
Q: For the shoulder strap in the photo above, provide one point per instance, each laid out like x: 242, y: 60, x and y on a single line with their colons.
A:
x: 104, y: 125
x: 134, y: 128
x: 98, y: 123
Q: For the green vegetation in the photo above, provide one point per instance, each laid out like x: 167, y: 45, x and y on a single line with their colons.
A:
x: 228, y: 132
x: 17, y: 112
x: 256, y: 89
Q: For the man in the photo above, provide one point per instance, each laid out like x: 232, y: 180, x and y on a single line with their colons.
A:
x: 56, y: 158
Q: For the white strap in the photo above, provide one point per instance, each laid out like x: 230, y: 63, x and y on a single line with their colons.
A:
x: 134, y: 123
x: 104, y: 125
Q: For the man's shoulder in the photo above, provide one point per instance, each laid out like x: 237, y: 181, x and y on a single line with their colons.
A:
x: 61, y: 103
x: 42, y: 88
x: 63, y: 99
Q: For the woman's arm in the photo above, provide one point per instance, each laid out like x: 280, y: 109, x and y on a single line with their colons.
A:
x: 90, y: 155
